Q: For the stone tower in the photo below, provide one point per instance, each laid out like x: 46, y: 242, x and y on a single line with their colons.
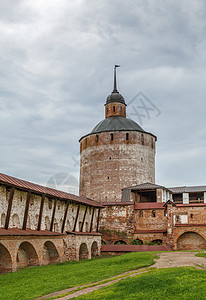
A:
x: 117, y: 153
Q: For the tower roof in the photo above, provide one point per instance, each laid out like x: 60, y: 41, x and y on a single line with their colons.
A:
x: 115, y: 96
x: 117, y: 124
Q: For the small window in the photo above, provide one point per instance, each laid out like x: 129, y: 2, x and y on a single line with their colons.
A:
x: 127, y: 136
x: 153, y: 214
x: 97, y: 138
x: 107, y: 109
x: 86, y: 142
x: 191, y: 216
x: 140, y: 213
x: 142, y: 139
x: 112, y: 136
x: 113, y: 108
x: 121, y: 109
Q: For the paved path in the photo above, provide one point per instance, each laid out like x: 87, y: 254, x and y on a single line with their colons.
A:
x: 166, y: 260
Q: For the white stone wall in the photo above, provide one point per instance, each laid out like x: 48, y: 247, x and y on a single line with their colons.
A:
x: 18, y: 209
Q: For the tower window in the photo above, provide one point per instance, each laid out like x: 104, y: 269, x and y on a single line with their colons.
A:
x: 107, y: 109
x: 127, y: 136
x: 120, y: 108
x: 86, y: 141
x: 97, y: 138
x: 113, y: 108
x: 142, y: 139
x: 153, y: 214
x: 112, y: 136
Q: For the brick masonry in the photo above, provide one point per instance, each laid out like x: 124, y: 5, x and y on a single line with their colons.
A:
x: 106, y: 166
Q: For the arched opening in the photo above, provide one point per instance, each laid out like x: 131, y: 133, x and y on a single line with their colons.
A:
x: 94, y: 249
x: 120, y: 242
x: 47, y: 223
x: 156, y: 242
x: 26, y: 256
x: 137, y: 242
x: 87, y: 227
x: 3, y: 220
x: 5, y: 260
x: 83, y: 251
x: 50, y: 254
x: 191, y: 241
x: 68, y: 226
x: 15, y: 221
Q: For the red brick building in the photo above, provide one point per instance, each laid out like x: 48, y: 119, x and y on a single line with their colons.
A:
x: 117, y: 168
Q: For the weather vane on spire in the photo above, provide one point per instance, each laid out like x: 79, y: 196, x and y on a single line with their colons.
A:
x: 115, y: 79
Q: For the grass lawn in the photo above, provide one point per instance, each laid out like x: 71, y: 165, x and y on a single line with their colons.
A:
x: 175, y: 283
x: 203, y: 254
x: 34, y: 282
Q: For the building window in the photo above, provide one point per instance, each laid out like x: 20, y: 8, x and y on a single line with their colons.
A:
x: 127, y: 136
x: 113, y: 108
x: 107, y: 109
x: 86, y: 141
x: 152, y: 144
x: 191, y: 216
x: 153, y: 214
x: 97, y: 138
x: 121, y: 109
x: 142, y: 139
x: 140, y: 213
x: 112, y: 136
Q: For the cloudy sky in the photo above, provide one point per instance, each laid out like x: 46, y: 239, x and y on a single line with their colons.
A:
x: 56, y: 64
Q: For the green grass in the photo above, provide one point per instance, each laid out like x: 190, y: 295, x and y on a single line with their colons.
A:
x: 170, y: 284
x: 201, y: 254
x: 37, y: 281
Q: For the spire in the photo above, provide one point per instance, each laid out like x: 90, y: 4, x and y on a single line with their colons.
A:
x: 115, y: 79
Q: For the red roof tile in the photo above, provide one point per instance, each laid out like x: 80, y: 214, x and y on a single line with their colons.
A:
x: 29, y: 186
x: 151, y: 205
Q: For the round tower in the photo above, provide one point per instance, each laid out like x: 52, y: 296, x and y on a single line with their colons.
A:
x: 117, y: 153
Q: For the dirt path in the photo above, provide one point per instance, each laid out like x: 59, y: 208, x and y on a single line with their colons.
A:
x: 166, y: 260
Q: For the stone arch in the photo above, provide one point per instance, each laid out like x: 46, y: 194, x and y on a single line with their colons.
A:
x: 47, y: 223
x: 3, y: 220
x: 120, y: 242
x: 5, y: 260
x: 15, y: 221
x: 50, y: 253
x: 191, y: 240
x: 26, y: 255
x: 94, y: 249
x: 137, y: 242
x: 28, y: 223
x: 68, y: 227
x: 156, y: 242
x: 83, y: 251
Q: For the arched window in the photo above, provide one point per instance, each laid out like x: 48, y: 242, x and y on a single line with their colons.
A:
x: 121, y: 109
x: 127, y: 136
x: 140, y: 213
x: 113, y: 108
x: 142, y: 139
x: 97, y: 138
x: 153, y: 214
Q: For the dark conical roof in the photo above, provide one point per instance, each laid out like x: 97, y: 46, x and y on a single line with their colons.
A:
x: 117, y: 124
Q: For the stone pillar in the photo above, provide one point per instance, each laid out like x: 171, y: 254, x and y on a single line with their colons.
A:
x: 159, y: 195
x: 204, y: 197
x: 185, y: 198
x: 169, y: 239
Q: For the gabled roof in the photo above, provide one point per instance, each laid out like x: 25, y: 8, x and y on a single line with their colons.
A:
x: 146, y: 186
x: 38, y: 189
